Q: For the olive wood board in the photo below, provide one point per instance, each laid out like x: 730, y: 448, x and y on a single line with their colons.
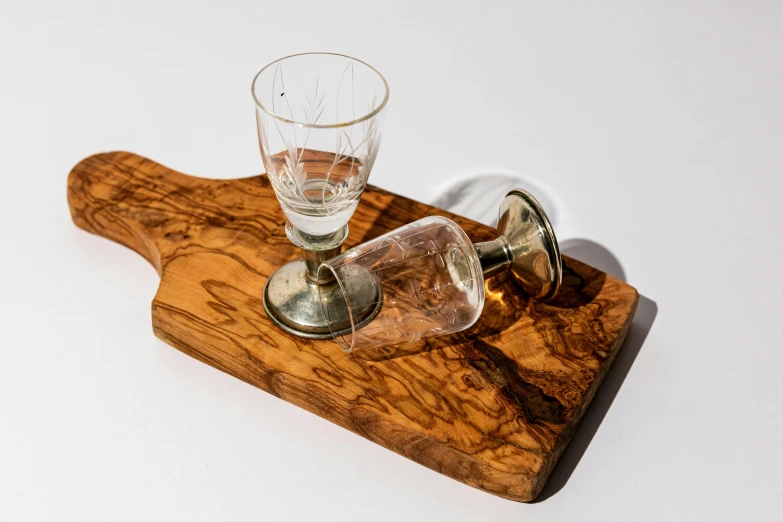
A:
x: 493, y: 407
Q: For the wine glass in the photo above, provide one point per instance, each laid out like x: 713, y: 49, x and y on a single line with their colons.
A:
x: 427, y: 278
x: 319, y: 119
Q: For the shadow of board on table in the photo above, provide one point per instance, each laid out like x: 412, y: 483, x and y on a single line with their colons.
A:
x: 601, y: 258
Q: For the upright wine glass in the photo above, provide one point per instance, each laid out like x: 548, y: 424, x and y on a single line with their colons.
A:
x: 319, y: 119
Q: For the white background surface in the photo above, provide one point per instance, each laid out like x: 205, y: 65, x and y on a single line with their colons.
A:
x: 654, y: 130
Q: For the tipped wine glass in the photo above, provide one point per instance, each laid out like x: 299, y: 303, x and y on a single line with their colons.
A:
x: 319, y: 118
x: 427, y: 279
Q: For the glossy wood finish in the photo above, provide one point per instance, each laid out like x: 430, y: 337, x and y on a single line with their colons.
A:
x: 492, y: 407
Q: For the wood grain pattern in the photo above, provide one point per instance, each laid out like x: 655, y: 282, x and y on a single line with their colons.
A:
x: 492, y: 407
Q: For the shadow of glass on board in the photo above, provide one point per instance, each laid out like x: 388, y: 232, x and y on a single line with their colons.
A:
x: 502, y: 303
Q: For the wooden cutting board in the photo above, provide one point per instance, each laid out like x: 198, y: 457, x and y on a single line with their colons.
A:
x: 492, y: 407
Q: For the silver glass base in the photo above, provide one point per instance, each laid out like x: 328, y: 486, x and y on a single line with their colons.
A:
x: 293, y: 303
x: 527, y: 247
x: 536, y: 263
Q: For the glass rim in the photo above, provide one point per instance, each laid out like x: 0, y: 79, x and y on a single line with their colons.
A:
x: 314, y: 125
x: 338, y: 335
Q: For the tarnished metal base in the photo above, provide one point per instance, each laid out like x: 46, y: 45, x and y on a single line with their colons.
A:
x: 527, y: 247
x: 292, y: 301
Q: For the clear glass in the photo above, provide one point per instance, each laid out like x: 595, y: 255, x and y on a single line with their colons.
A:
x: 421, y: 280
x: 319, y: 129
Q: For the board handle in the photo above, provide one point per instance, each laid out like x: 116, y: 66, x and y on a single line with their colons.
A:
x: 126, y: 198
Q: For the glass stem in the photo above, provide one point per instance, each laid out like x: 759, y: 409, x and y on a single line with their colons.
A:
x: 313, y: 260
x: 495, y: 256
x: 317, y: 249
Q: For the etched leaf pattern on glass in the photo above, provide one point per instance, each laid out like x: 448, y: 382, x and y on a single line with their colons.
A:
x: 430, y: 279
x: 328, y: 181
